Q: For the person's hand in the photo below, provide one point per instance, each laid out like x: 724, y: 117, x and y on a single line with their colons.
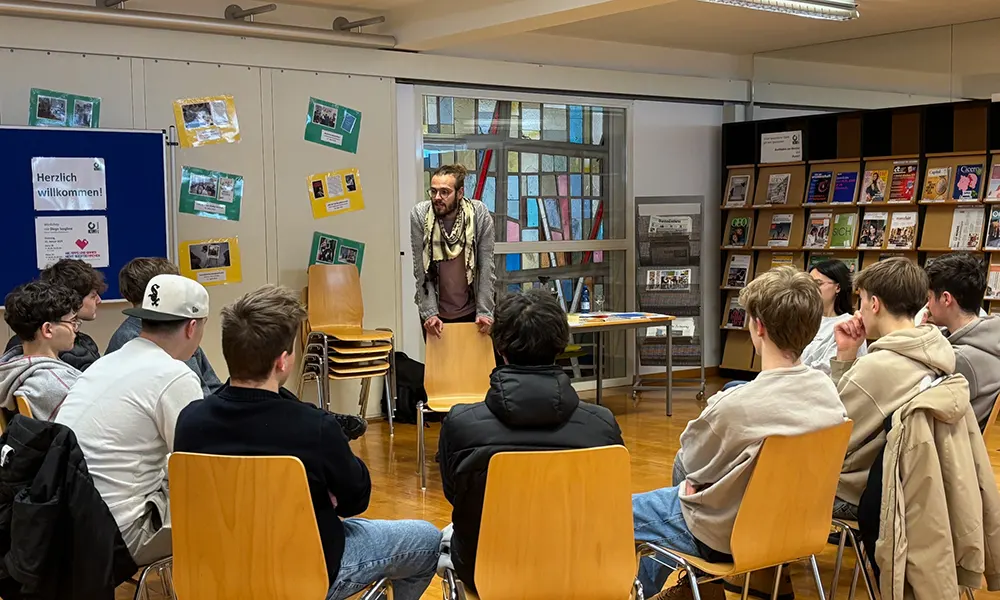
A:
x: 850, y: 335
x: 434, y: 326
x: 485, y: 324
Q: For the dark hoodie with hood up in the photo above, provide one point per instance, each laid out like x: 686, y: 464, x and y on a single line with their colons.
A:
x: 526, y: 409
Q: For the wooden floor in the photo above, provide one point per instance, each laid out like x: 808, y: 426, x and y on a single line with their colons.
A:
x: 652, y: 440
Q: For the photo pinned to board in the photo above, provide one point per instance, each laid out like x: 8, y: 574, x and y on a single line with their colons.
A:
x: 211, y: 262
x: 207, y: 120
x: 211, y: 194
x: 333, y: 125
x: 335, y: 193
x: 50, y: 108
x: 332, y: 250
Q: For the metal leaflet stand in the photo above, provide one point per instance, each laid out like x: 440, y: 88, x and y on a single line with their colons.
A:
x: 668, y: 281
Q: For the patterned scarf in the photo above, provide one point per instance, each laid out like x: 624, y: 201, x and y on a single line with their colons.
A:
x: 441, y: 245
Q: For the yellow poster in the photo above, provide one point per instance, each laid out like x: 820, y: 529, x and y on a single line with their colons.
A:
x: 211, y: 262
x: 207, y: 120
x: 335, y: 193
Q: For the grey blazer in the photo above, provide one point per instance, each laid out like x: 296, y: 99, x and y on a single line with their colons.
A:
x: 426, y: 298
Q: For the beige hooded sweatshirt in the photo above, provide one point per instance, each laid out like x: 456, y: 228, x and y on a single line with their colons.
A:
x: 876, y: 385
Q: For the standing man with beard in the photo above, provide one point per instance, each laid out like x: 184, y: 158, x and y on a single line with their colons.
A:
x: 452, y: 241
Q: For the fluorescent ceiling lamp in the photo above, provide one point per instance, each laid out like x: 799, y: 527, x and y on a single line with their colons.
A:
x: 830, y: 10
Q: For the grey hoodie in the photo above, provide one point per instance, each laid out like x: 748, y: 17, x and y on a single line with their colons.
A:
x: 977, y: 357
x: 44, y: 382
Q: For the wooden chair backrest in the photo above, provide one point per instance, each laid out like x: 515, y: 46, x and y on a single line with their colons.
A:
x: 23, y: 408
x: 557, y: 524
x: 459, y: 363
x: 785, y: 512
x: 244, y: 527
x: 335, y: 296
x: 993, y: 416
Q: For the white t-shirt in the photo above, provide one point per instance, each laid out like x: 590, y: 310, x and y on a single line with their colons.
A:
x: 123, y: 410
x: 824, y: 346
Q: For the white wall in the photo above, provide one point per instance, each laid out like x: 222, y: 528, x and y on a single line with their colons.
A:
x: 677, y: 151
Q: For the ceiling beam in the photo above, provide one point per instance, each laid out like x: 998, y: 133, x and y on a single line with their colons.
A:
x: 426, y: 26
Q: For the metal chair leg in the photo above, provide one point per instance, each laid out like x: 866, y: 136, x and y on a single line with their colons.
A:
x: 390, y: 382
x: 746, y: 586
x: 838, y: 563
x: 637, y: 593
x: 854, y: 580
x: 380, y: 589
x: 420, y: 446
x: 366, y: 385
x: 816, y: 577
x: 862, y: 559
x: 777, y: 582
x: 693, y: 579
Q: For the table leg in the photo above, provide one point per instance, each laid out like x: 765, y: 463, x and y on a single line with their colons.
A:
x: 599, y: 363
x: 670, y: 370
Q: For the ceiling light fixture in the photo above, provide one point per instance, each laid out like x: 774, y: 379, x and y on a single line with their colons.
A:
x: 830, y: 10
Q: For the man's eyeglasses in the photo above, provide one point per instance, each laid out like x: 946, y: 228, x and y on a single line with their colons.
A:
x: 442, y: 192
x: 74, y: 323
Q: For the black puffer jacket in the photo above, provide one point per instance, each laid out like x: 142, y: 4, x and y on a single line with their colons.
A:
x: 58, y: 539
x: 83, y: 354
x: 526, y: 409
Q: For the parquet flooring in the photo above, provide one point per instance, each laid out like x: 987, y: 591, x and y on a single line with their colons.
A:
x: 651, y: 437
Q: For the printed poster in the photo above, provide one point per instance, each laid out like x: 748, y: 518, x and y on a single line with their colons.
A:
x: 69, y: 183
x: 211, y: 262
x: 335, y: 193
x: 211, y: 194
x: 659, y: 224
x: 332, y: 125
x: 50, y: 108
x: 81, y: 238
x: 332, y: 250
x: 207, y: 120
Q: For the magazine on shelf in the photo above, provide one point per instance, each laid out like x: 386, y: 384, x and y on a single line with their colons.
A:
x: 966, y: 228
x: 936, y: 185
x: 902, y: 231
x: 873, y: 187
x: 736, y: 191
x: 993, y: 283
x: 739, y: 271
x: 820, y: 183
x: 993, y: 187
x: 818, y: 230
x: 845, y: 187
x: 843, y: 230
x: 873, y: 230
x: 780, y: 231
x: 993, y: 229
x: 739, y: 230
x: 777, y: 188
x: 736, y: 315
x: 904, y: 183
x: 782, y: 259
x: 968, y: 180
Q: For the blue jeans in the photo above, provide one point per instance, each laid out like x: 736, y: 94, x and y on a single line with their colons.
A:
x: 731, y: 385
x: 406, y: 552
x: 658, y: 519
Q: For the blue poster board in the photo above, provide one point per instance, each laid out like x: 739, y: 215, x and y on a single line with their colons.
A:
x: 138, y: 205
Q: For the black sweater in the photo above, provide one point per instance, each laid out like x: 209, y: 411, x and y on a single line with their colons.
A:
x: 526, y: 409
x: 249, y: 422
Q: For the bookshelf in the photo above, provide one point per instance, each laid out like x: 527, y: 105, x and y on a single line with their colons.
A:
x: 920, y: 174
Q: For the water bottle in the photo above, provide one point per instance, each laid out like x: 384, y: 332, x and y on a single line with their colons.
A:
x: 585, y: 300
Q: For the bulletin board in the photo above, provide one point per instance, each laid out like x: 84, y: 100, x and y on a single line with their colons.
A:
x: 136, y: 185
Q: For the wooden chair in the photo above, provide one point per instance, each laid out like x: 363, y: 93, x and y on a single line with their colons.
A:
x: 457, y: 371
x: 993, y: 417
x: 244, y: 527
x: 23, y: 408
x: 785, y: 513
x: 555, y: 524
x: 336, y: 344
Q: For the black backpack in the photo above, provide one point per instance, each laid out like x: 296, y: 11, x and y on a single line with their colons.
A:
x: 409, y: 389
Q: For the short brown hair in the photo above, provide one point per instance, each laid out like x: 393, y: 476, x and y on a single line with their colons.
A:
x: 76, y: 275
x: 258, y: 328
x: 457, y: 171
x: 900, y: 285
x: 135, y: 276
x: 788, y: 303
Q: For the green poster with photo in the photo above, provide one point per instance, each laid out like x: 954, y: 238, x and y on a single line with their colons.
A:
x: 332, y: 125
x: 211, y: 194
x: 59, y: 109
x: 332, y: 250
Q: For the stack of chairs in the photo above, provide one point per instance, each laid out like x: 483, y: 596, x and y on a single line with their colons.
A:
x: 336, y: 344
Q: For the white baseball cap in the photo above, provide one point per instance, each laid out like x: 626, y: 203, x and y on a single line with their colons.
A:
x: 172, y: 298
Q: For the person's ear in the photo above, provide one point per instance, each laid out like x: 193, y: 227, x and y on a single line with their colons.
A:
x: 190, y: 329
x: 876, y: 305
x: 46, y: 330
x: 284, y: 362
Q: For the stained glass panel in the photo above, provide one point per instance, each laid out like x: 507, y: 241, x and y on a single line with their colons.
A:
x: 512, y: 162
x: 597, y: 113
x: 576, y: 124
x: 548, y: 163
x: 532, y: 185
x: 532, y: 209
x: 554, y: 123
x: 531, y: 121
x: 486, y: 110
x: 548, y: 185
x: 563, y: 185
x: 490, y: 193
x: 561, y: 163
x: 513, y: 187
x: 447, y: 104
x: 465, y: 116
x: 529, y: 162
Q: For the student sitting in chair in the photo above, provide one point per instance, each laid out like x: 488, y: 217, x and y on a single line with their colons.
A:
x: 253, y: 415
x: 88, y: 283
x: 132, y: 281
x: 531, y: 405
x: 716, y: 458
x: 43, y: 315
